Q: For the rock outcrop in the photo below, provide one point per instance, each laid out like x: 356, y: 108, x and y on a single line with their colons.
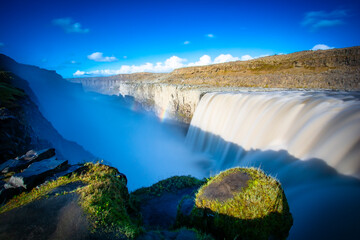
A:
x: 36, y: 173
x: 20, y: 163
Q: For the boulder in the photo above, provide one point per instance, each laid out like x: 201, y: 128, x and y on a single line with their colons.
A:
x: 158, y: 204
x: 52, y: 217
x: 20, y: 163
x: 240, y: 203
x: 36, y: 173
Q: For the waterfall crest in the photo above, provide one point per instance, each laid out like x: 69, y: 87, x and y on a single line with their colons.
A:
x: 308, y: 125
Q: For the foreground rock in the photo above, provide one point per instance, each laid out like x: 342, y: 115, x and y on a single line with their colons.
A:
x: 20, y: 163
x: 55, y: 217
x: 240, y: 203
x: 91, y: 203
x: 36, y: 173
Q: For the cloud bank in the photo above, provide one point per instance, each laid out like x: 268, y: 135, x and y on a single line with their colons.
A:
x: 69, y: 25
x: 98, y: 57
x: 322, y: 19
x: 168, y: 65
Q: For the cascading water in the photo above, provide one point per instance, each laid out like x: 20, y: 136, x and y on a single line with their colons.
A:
x: 310, y: 141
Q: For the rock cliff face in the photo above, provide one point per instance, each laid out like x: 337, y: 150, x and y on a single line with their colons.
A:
x: 23, y: 126
x: 166, y: 100
x: 178, y: 93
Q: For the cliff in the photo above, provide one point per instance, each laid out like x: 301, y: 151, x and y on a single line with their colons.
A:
x: 23, y: 126
x: 178, y: 93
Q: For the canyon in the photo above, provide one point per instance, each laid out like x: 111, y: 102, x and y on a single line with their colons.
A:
x: 176, y: 94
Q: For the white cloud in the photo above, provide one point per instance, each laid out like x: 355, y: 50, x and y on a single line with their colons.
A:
x: 187, y: 42
x: 321, y: 47
x: 168, y: 65
x: 98, y: 57
x: 320, y: 19
x: 210, y: 35
x: 69, y: 25
x: 204, y: 60
x: 246, y: 58
x: 225, y: 58
x: 79, y: 73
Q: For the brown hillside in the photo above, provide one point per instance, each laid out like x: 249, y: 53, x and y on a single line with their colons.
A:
x: 322, y: 69
x: 330, y: 69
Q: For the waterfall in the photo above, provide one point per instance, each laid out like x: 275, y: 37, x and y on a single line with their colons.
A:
x: 307, y: 125
x: 310, y: 141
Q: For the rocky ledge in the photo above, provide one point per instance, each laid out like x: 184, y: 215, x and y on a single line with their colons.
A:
x: 91, y: 201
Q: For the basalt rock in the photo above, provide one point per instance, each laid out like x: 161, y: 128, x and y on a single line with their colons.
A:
x: 20, y: 163
x: 36, y: 173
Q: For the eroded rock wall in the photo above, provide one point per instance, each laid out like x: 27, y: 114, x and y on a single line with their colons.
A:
x: 166, y: 100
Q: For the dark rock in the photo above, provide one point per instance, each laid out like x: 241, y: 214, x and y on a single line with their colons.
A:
x: 187, y: 205
x: 161, y: 211
x: 123, y: 176
x: 13, y: 165
x: 18, y: 164
x: 151, y: 235
x: 7, y: 193
x: 66, y: 172
x: 224, y: 189
x: 36, y: 173
x: 186, y: 234
x: 58, y: 217
x: 35, y: 156
x: 13, y: 137
x: 181, y: 234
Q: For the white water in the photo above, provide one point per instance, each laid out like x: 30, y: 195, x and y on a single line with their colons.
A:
x: 309, y: 140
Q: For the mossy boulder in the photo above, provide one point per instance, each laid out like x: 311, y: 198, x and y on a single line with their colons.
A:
x: 241, y: 203
x: 100, y: 193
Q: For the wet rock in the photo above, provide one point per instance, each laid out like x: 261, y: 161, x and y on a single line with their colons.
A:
x: 18, y: 164
x: 36, y: 173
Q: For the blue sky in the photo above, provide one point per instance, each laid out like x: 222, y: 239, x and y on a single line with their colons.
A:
x: 89, y: 38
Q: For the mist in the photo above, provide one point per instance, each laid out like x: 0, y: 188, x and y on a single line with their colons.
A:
x: 115, y: 129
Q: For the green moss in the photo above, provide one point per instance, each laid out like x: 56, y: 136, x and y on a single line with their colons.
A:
x: 257, y: 211
x: 105, y: 198
x: 8, y: 93
x: 172, y: 184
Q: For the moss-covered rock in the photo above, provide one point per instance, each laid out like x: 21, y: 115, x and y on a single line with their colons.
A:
x: 172, y: 184
x: 241, y: 203
x: 102, y: 195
